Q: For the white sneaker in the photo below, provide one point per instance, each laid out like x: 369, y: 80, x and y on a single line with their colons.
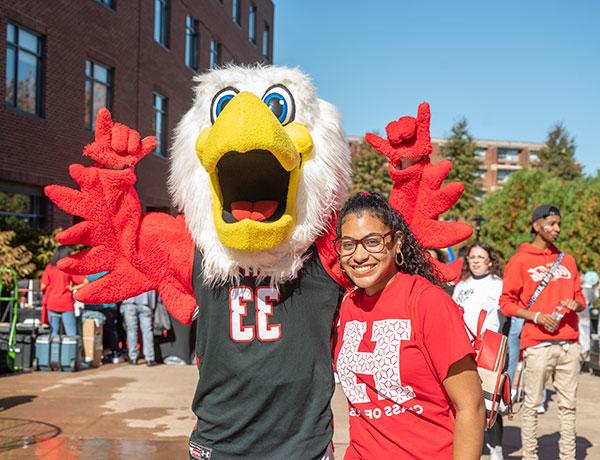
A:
x: 495, y: 452
x: 541, y: 409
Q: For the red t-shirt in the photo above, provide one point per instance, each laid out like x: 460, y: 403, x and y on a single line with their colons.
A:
x: 57, y: 296
x: 524, y: 272
x: 398, y: 408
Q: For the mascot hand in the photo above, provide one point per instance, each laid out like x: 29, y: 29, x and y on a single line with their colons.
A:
x: 117, y: 146
x: 408, y: 139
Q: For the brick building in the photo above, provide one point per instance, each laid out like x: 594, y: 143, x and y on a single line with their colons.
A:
x: 63, y: 60
x: 498, y: 158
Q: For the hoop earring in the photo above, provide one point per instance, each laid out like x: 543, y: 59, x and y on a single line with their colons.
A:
x: 400, y: 263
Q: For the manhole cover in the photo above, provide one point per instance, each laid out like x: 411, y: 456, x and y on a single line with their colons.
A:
x: 17, y: 432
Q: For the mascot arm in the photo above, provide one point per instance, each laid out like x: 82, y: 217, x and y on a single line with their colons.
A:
x: 328, y: 256
x: 141, y: 252
x: 417, y: 190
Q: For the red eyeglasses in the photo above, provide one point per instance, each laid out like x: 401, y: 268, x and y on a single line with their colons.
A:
x: 373, y: 243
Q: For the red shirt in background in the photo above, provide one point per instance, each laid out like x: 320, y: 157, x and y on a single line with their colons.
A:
x: 57, y: 296
x: 524, y: 272
x: 398, y: 408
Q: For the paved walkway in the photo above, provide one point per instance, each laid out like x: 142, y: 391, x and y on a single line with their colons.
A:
x: 126, y: 412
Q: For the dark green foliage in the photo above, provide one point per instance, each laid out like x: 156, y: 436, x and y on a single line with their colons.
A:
x: 558, y: 155
x: 460, y: 150
x: 508, y: 214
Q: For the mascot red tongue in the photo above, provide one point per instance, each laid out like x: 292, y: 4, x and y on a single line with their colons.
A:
x: 258, y: 273
x: 259, y: 210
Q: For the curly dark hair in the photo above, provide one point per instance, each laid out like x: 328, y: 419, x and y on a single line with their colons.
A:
x: 415, y: 260
x: 497, y: 267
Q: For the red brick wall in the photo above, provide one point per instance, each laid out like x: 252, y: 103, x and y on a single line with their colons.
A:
x: 37, y: 151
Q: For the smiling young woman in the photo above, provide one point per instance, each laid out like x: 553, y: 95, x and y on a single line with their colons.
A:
x: 479, y: 289
x: 405, y: 368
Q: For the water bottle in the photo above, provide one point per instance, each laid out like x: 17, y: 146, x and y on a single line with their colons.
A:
x: 558, y: 313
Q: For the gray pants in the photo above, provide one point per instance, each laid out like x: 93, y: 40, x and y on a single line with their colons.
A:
x: 144, y: 313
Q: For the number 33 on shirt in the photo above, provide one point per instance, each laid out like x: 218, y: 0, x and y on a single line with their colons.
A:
x: 264, y: 297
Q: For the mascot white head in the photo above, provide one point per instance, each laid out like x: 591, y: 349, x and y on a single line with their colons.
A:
x: 259, y: 167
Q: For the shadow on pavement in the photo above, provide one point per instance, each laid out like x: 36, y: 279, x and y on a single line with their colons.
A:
x: 548, y: 444
x: 12, y: 401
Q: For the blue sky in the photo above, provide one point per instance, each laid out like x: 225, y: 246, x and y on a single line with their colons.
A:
x: 512, y: 68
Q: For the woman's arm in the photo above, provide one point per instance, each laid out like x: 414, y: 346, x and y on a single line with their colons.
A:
x: 74, y: 287
x: 464, y: 390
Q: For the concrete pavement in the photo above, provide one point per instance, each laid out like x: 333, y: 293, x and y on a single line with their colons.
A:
x: 127, y: 412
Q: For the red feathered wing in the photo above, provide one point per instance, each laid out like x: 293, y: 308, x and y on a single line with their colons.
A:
x: 417, y: 191
x: 141, y: 252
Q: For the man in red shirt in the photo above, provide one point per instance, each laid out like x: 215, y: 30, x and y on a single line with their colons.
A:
x: 548, y: 341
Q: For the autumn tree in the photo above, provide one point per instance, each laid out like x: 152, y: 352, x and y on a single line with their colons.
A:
x: 460, y: 150
x: 14, y: 256
x: 370, y: 171
x: 558, y: 155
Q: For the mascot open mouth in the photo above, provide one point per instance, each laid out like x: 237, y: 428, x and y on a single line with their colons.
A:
x: 254, y: 160
x: 253, y: 186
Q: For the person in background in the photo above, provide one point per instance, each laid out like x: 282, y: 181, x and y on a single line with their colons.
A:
x: 591, y: 292
x: 479, y: 289
x: 140, y: 310
x: 111, y: 335
x: 58, y: 287
x: 406, y: 368
x: 549, y: 339
x: 441, y: 256
x: 438, y: 255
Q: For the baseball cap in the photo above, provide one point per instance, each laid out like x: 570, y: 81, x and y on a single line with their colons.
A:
x: 543, y: 211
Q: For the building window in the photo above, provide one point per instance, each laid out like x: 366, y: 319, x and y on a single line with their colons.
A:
x: 161, y: 22
x: 98, y: 91
x: 215, y: 54
x: 266, y: 44
x: 191, y: 43
x: 252, y: 23
x: 480, y: 173
x: 236, y: 12
x: 21, y: 210
x: 160, y: 124
x: 480, y: 152
x: 109, y: 3
x: 23, y: 70
x: 508, y: 154
x: 533, y: 156
x: 502, y: 175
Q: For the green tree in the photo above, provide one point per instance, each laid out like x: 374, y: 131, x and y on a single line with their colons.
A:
x: 460, y: 150
x: 558, y: 155
x: 370, y: 171
x: 507, y: 212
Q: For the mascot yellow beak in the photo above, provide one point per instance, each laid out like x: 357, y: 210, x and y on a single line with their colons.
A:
x: 254, y: 164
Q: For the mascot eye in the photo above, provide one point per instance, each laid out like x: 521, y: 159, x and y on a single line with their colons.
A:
x: 220, y: 101
x: 281, y: 102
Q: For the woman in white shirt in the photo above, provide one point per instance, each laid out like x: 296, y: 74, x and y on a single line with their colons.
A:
x: 479, y: 289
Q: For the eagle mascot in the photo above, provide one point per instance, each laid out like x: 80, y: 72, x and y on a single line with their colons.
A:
x: 259, y: 169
